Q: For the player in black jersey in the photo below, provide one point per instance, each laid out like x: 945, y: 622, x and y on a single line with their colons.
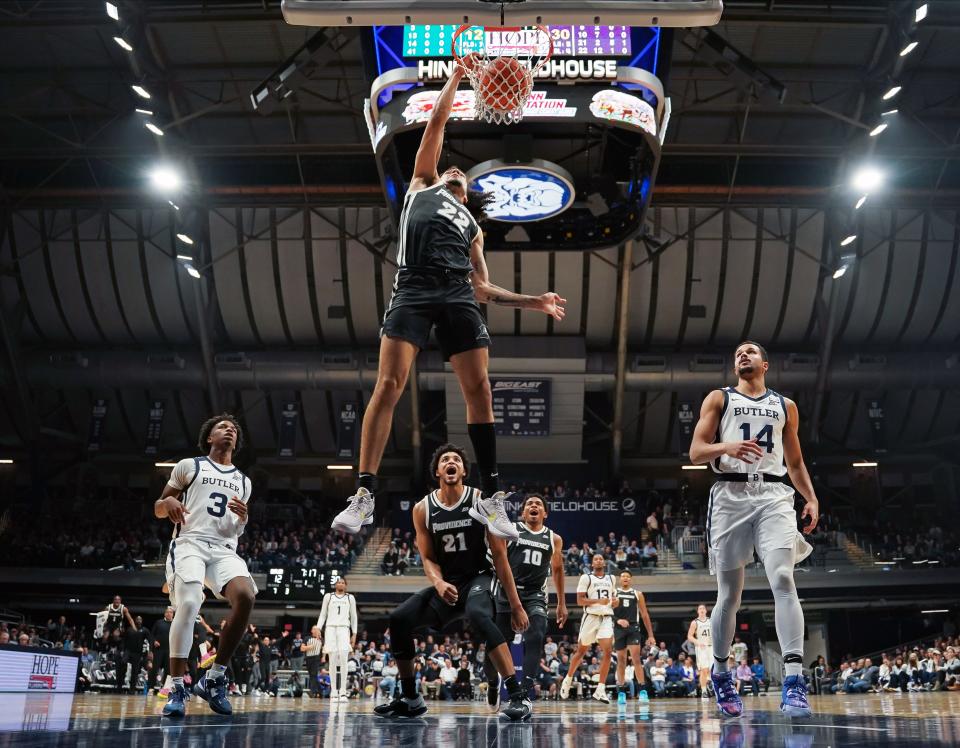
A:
x: 627, y: 636
x: 441, y: 280
x: 453, y: 546
x: 534, y: 556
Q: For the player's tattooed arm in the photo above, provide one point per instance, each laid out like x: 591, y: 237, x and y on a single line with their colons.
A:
x: 489, y: 293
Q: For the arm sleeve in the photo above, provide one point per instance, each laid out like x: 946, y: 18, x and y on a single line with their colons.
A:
x: 353, y: 615
x: 323, y: 612
x: 583, y: 585
x: 182, y: 474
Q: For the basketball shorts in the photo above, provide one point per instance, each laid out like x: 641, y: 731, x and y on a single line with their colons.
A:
x: 742, y: 519
x: 626, y: 637
x: 594, y: 627
x: 336, y: 639
x: 212, y: 564
x: 704, y: 658
x: 459, y: 325
x: 533, y: 605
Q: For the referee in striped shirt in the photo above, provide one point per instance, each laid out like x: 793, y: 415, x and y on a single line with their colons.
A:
x: 312, y: 650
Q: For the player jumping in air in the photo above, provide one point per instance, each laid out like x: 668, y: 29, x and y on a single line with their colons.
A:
x: 206, y: 499
x: 749, y: 435
x: 441, y: 280
x: 453, y: 546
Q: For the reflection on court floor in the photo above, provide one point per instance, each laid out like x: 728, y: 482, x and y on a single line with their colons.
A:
x: 107, y: 721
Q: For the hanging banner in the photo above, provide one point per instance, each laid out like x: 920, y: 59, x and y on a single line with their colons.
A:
x: 97, y: 417
x: 287, y: 436
x: 878, y: 429
x: 154, y: 428
x: 684, y: 427
x: 347, y: 431
x: 521, y: 407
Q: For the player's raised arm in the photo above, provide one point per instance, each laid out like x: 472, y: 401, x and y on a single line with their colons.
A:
x: 489, y: 293
x: 428, y: 155
x: 704, y: 449
x: 447, y: 592
x: 559, y: 580
x: 793, y: 457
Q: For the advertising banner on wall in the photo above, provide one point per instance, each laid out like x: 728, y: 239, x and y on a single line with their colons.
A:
x: 37, y: 669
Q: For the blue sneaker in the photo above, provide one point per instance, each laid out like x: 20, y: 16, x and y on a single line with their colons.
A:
x: 621, y: 698
x: 176, y: 705
x: 214, y: 692
x: 644, y: 696
x: 728, y: 700
x: 794, y: 702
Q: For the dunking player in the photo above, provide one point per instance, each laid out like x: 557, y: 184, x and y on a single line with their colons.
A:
x: 338, y: 622
x: 441, y: 277
x: 453, y: 546
x: 534, y: 556
x: 597, y: 594
x: 700, y: 636
x: 206, y: 499
x: 749, y: 435
x: 631, y: 607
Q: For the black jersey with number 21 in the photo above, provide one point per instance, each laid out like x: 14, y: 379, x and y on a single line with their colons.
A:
x: 459, y: 541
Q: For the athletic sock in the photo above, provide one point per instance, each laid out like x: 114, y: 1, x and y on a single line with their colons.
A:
x: 408, y: 687
x: 514, y: 688
x: 217, y: 671
x: 792, y: 665
x: 483, y: 437
x: 367, y: 481
x: 720, y: 664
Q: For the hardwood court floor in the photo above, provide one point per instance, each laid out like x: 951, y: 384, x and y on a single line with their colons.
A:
x: 108, y: 721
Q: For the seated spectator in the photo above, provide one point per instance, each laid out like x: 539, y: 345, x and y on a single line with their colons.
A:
x: 462, y: 689
x: 760, y: 675
x: 448, y: 679
x: 658, y: 677
x: 674, y: 682
x: 649, y: 555
x: 744, y: 676
x: 390, y: 674
x: 391, y: 561
x: 689, y: 675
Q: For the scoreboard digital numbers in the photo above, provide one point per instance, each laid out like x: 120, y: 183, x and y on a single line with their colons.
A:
x: 521, y: 407
x: 434, y: 40
x: 297, y: 584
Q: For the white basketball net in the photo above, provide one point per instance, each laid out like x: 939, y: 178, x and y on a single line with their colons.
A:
x: 501, y: 63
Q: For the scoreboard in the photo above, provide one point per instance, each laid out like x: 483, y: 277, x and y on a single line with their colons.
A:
x: 297, y: 583
x: 521, y: 407
x: 435, y: 40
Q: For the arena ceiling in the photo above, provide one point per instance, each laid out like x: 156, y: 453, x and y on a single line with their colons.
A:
x: 296, y: 249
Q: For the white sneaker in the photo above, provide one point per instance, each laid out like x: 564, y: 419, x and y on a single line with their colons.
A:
x: 344, y: 696
x: 493, y: 514
x: 357, y: 514
x: 600, y: 694
x: 565, y: 688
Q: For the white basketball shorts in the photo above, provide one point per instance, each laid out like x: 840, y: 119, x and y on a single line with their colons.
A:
x: 743, y: 517
x: 704, y: 657
x: 210, y: 563
x: 336, y: 639
x: 594, y: 627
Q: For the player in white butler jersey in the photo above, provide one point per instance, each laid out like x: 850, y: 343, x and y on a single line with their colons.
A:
x: 749, y: 436
x: 441, y: 281
x: 206, y: 498
x: 596, y: 592
x: 699, y: 633
x: 338, y: 622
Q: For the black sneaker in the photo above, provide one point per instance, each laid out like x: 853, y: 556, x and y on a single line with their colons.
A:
x: 493, y: 695
x: 402, y: 709
x: 517, y: 710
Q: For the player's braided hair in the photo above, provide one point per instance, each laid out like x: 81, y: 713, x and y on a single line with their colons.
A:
x: 208, y: 425
x: 442, y: 450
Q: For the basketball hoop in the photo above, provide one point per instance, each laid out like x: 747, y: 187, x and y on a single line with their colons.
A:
x: 501, y: 62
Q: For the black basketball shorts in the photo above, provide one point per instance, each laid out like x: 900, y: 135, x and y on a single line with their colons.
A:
x: 460, y: 326
x: 624, y: 637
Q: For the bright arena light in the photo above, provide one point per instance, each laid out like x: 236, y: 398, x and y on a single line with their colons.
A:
x: 166, y: 179
x: 113, y: 12
x: 908, y: 49
x: 860, y: 202
x: 191, y: 270
x: 123, y: 43
x: 891, y: 92
x: 920, y: 13
x: 867, y: 179
x: 847, y: 240
x: 878, y: 129
x: 153, y: 128
x: 185, y: 239
x: 140, y: 91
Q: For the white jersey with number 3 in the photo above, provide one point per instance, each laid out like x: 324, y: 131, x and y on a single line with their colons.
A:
x: 743, y: 418
x: 206, y: 488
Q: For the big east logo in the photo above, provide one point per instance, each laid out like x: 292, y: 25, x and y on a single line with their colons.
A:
x: 43, y: 674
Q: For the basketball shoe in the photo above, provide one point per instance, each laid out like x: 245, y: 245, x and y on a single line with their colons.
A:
x: 493, y: 514
x: 176, y: 705
x: 728, y: 700
x: 794, y: 702
x: 401, y: 708
x: 359, y: 512
x: 214, y: 692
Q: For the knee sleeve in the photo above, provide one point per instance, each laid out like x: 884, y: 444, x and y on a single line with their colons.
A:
x: 788, y: 614
x: 189, y: 600
x: 533, y: 645
x: 479, y: 611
